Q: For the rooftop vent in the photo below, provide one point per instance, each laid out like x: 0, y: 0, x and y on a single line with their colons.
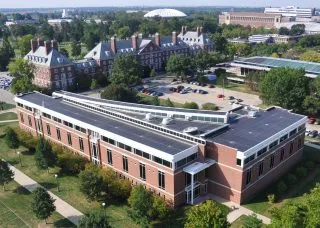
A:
x: 190, y: 130
x: 149, y: 116
x: 166, y: 121
x: 252, y: 114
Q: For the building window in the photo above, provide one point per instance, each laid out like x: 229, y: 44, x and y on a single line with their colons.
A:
x: 260, y: 169
x: 81, y: 144
x: 39, y: 125
x: 48, y: 129
x: 142, y: 171
x: 29, y: 120
x: 299, y: 143
x: 248, y: 159
x: 125, y: 163
x: 58, y: 134
x: 239, y: 161
x: 271, y: 161
x: 291, y: 148
x: 161, y: 180
x: 21, y: 117
x: 281, y: 155
x: 109, y: 156
x: 248, y: 177
x: 69, y: 138
x: 262, y: 151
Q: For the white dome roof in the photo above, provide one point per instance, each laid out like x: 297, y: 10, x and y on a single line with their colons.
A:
x: 165, y: 13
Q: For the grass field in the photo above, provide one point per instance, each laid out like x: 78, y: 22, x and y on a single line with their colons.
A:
x: 8, y: 116
x: 5, y: 106
x: 294, y: 194
x: 239, y: 222
x: 15, y: 210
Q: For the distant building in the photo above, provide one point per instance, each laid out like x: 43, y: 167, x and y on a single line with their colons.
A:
x: 53, y: 69
x: 291, y: 11
x: 310, y: 27
x: 10, y: 23
x: 252, y: 19
x: 65, y: 18
x: 165, y: 13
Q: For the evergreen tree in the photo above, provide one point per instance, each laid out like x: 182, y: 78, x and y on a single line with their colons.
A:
x: 6, y: 174
x: 94, y: 219
x: 6, y: 53
x: 44, y: 155
x: 42, y: 204
x: 11, y: 138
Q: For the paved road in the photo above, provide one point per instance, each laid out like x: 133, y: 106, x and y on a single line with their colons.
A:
x: 6, y: 96
x: 63, y: 208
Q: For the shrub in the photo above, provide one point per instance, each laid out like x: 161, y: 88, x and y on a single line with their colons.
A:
x: 281, y: 187
x: 160, y: 207
x: 71, y: 163
x: 310, y: 165
x: 121, y: 189
x: 27, y: 139
x: 209, y: 106
x: 292, y: 179
x: 91, y: 182
x: 301, y: 172
x: 271, y: 198
x: 190, y: 105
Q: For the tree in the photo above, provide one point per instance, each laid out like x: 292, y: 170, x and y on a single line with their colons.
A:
x: 311, y: 56
x: 220, y: 43
x: 253, y: 79
x: 160, y: 207
x: 75, y: 48
x: 168, y: 103
x: 297, y: 29
x: 6, y: 53
x: 140, y: 203
x: 64, y: 52
x: 11, y: 138
x: 289, y: 216
x: 23, y: 73
x: 91, y: 182
x: 94, y: 219
x: 190, y: 105
x: 94, y: 84
x: 207, y: 214
x: 6, y: 174
x: 155, y: 101
x: 311, y: 103
x: 240, y: 49
x: 24, y: 44
x: 153, y: 73
x: 44, y: 155
x: 285, y: 87
x: 284, y: 31
x: 42, y: 204
x: 119, y: 93
x: 202, y: 61
x: 124, y: 32
x: 210, y: 106
x: 126, y: 70
x: 180, y: 66
x: 252, y: 221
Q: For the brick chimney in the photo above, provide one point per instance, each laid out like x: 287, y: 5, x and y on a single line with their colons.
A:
x: 114, y: 44
x: 174, y: 38
x: 134, y: 40
x: 34, y: 45
x: 40, y: 42
x: 157, y: 39
x: 47, y: 46
x: 54, y: 44
x: 198, y: 31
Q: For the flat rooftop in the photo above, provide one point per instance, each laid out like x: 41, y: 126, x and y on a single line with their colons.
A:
x: 246, y: 132
x: 136, y: 133
x: 310, y: 67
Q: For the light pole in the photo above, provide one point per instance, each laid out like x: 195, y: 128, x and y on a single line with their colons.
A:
x: 58, y: 187
x: 104, y: 206
x: 19, y: 154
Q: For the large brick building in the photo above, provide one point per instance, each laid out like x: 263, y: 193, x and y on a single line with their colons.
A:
x: 52, y: 68
x: 180, y: 154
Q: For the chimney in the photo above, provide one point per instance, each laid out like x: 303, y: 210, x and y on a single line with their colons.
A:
x: 40, y: 42
x: 34, y: 45
x: 201, y: 30
x: 185, y: 29
x: 140, y: 35
x: 174, y: 38
x: 182, y: 30
x: 134, y: 40
x: 198, y: 31
x: 54, y: 44
x: 114, y: 44
x: 47, y: 46
x: 157, y: 39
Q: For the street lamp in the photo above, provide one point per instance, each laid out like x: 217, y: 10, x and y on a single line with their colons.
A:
x: 58, y: 187
x: 18, y: 152
x: 104, y: 206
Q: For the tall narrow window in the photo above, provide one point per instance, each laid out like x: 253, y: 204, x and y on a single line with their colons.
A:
x: 161, y: 180
x: 58, y: 134
x: 29, y: 120
x: 81, y: 144
x: 39, y: 125
x: 125, y: 163
x: 282, y: 155
x: 260, y: 169
x: 21, y: 117
x: 142, y: 171
x: 248, y: 177
x: 69, y: 138
x: 48, y: 129
x: 271, y: 161
x: 291, y: 148
x: 109, y: 156
x: 299, y: 143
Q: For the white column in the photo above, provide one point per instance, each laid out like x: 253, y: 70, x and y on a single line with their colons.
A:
x: 192, y: 184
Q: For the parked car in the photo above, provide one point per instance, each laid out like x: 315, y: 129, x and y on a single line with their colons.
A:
x: 313, y: 133
x: 203, y: 92
x: 311, y: 120
x: 195, y: 90
x: 220, y: 96
x: 239, y: 100
x: 211, y: 86
x: 231, y: 98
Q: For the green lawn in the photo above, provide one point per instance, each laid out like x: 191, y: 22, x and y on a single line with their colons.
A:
x: 239, y: 222
x: 238, y: 87
x: 8, y: 116
x: 260, y: 203
x: 15, y: 210
x: 5, y: 106
x: 148, y: 100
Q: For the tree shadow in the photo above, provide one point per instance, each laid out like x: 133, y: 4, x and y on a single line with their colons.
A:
x: 48, y: 185
x: 63, y: 223
x: 28, y: 152
x: 21, y: 190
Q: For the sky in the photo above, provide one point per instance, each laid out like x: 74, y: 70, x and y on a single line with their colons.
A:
x: 95, y: 3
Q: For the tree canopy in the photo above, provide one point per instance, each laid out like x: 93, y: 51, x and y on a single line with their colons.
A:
x: 119, y: 92
x: 179, y: 65
x: 6, y: 174
x: 44, y: 155
x: 91, y: 183
x: 24, y: 44
x: 11, y: 138
x: 42, y: 204
x: 6, y: 53
x: 94, y: 219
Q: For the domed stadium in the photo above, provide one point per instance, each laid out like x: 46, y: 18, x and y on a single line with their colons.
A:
x: 165, y: 13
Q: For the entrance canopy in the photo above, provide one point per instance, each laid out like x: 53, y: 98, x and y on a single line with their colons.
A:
x: 197, y: 167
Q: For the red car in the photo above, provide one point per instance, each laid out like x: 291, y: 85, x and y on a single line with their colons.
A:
x: 311, y: 120
x: 220, y: 96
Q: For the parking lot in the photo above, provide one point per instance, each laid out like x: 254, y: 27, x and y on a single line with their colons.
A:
x: 163, y: 85
x: 5, y: 95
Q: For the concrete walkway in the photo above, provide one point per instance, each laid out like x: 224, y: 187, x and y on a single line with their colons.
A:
x: 63, y: 208
x: 313, y: 145
x: 9, y: 110
x: 8, y: 121
x: 237, y: 210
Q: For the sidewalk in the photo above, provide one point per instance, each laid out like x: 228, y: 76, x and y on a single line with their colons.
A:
x: 63, y: 208
x: 238, y: 210
x: 313, y: 145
